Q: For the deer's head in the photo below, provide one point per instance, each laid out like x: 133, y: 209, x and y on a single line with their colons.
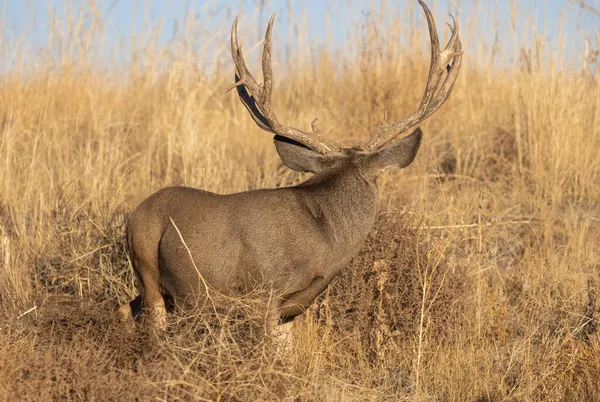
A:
x: 309, y: 152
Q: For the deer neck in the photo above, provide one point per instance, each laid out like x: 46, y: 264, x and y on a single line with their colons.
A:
x: 344, y: 204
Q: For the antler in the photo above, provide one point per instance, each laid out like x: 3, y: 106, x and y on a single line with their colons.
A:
x: 257, y: 97
x: 435, y: 95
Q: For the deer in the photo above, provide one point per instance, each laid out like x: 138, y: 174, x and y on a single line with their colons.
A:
x: 185, y: 243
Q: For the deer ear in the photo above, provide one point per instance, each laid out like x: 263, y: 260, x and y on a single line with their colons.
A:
x: 400, y: 154
x: 299, y: 157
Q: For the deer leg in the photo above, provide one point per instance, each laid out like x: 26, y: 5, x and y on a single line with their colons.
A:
x: 129, y: 312
x: 145, y: 262
x: 296, y: 303
x: 124, y: 313
x: 154, y: 303
x: 272, y: 321
x: 285, y: 336
x: 282, y: 322
x: 280, y: 332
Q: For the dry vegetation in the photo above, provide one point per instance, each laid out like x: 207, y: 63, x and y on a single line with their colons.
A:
x: 479, y: 281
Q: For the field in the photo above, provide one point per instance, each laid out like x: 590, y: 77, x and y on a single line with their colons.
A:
x: 479, y: 281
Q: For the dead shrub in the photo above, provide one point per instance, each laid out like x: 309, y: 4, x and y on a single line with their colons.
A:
x: 379, y: 297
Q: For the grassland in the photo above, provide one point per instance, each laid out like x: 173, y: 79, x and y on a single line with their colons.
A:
x: 479, y: 281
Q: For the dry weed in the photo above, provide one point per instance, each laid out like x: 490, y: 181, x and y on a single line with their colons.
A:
x: 478, y: 282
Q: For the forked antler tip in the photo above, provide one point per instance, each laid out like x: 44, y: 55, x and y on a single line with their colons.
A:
x: 439, y: 85
x: 257, y: 97
x: 454, y: 26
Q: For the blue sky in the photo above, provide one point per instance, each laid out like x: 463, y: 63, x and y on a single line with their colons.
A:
x: 30, y: 21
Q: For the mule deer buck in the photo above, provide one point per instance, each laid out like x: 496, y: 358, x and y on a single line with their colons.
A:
x: 185, y: 241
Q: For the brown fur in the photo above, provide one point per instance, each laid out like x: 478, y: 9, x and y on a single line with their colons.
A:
x: 295, y: 239
x: 186, y: 243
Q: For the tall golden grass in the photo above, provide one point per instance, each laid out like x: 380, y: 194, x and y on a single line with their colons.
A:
x: 479, y: 281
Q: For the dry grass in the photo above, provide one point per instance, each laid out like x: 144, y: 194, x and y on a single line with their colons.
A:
x: 479, y: 281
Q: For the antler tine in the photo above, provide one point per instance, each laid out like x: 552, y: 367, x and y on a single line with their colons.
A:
x: 434, y: 95
x: 257, y: 98
x: 434, y: 75
x: 243, y: 75
x: 439, y: 64
x: 266, y: 63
